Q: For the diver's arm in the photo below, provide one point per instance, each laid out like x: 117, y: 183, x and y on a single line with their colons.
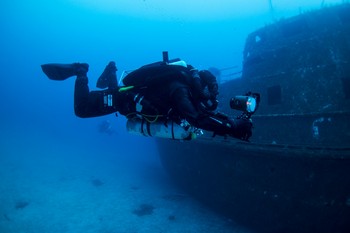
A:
x: 197, y: 87
x: 218, y: 123
x: 213, y: 88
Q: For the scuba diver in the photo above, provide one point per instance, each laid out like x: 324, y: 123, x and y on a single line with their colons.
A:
x: 106, y: 127
x: 167, y: 99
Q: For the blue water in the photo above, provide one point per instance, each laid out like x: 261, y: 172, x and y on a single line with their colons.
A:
x: 58, y: 173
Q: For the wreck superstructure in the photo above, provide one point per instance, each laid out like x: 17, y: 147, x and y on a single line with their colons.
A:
x: 294, y: 174
x: 301, y: 68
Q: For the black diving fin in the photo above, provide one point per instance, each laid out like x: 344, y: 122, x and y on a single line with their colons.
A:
x: 108, y: 78
x: 56, y: 71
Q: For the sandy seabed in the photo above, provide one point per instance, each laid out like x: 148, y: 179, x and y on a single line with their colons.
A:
x: 51, y: 187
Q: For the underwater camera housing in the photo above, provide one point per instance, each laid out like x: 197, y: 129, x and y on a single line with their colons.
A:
x: 247, y: 103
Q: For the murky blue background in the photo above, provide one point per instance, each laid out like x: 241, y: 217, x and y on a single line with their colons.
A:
x: 50, y: 160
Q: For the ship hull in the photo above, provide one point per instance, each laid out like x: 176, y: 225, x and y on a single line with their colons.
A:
x: 267, y: 188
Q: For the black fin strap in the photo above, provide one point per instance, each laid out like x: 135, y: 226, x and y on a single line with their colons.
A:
x: 149, y: 128
x: 172, y: 130
x: 142, y: 122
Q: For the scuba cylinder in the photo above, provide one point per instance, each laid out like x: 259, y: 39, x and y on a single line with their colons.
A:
x: 159, y: 129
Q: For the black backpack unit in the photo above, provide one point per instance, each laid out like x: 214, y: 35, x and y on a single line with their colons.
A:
x: 157, y: 74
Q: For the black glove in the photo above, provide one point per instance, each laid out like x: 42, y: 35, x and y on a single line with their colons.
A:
x: 212, y: 105
x: 241, y: 129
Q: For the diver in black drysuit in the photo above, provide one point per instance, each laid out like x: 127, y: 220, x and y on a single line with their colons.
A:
x: 181, y: 93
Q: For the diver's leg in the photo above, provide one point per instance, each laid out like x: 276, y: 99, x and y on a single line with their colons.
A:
x: 94, y: 103
x: 86, y: 103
